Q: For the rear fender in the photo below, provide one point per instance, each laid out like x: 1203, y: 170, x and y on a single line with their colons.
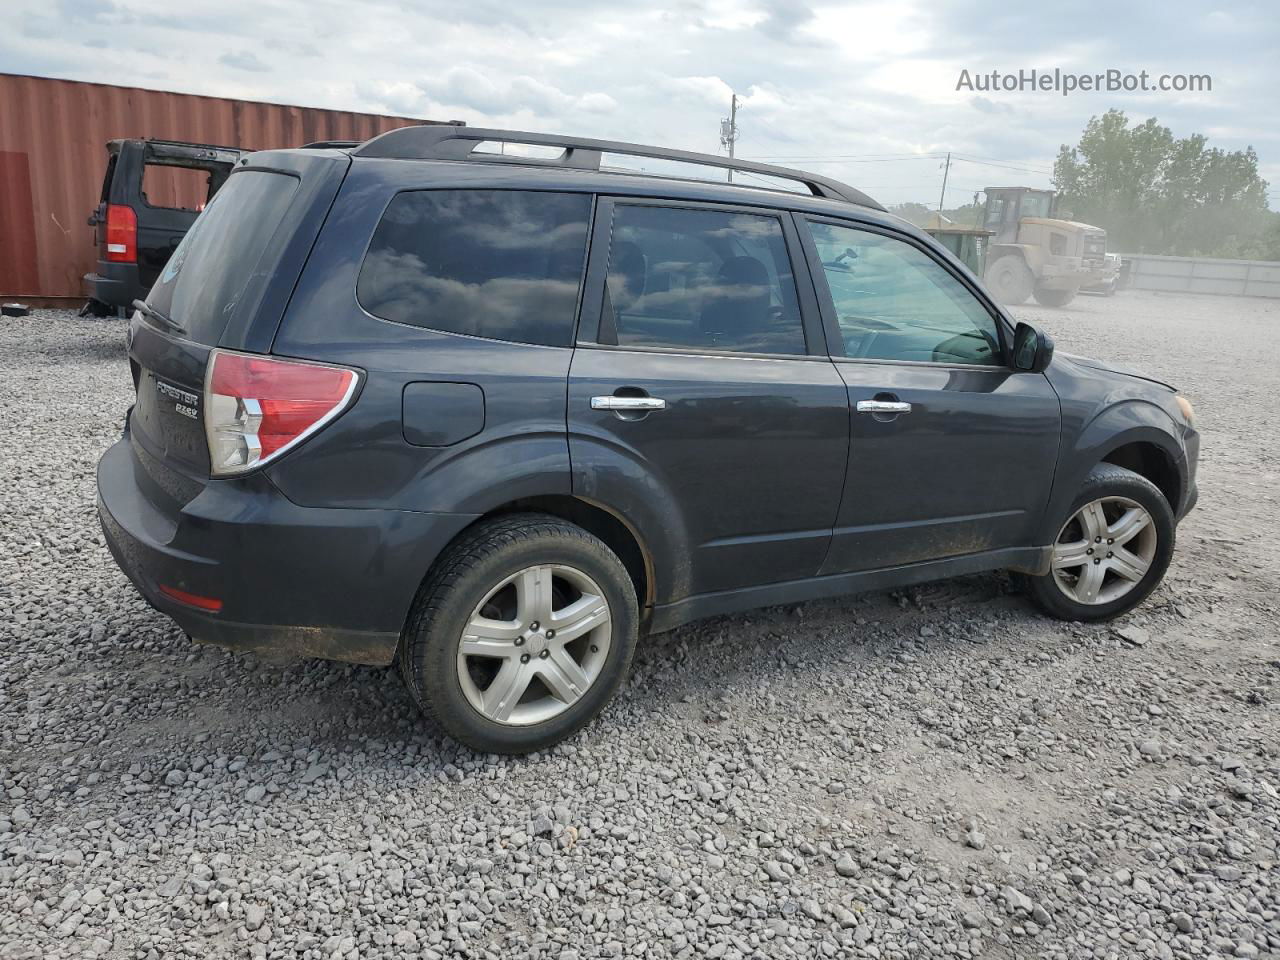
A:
x: 617, y: 479
x: 1028, y: 254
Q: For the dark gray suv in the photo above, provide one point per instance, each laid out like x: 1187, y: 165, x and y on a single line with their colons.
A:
x: 484, y: 404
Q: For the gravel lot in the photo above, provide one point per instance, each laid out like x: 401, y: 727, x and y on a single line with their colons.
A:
x: 935, y: 772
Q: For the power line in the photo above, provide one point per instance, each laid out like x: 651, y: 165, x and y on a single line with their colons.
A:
x: 890, y: 158
x: 831, y: 159
x: 1005, y: 166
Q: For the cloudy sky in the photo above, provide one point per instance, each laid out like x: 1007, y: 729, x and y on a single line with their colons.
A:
x: 864, y: 91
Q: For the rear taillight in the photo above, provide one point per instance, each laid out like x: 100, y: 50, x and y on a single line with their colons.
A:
x: 208, y: 604
x: 256, y: 408
x: 122, y: 234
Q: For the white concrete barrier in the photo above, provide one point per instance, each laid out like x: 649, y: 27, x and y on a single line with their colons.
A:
x: 1238, y: 278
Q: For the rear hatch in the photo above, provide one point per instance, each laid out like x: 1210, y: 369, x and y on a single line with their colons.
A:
x: 227, y: 284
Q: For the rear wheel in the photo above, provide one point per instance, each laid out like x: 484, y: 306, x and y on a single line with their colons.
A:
x: 1009, y: 279
x: 1112, y: 550
x: 521, y: 634
x: 1054, y: 298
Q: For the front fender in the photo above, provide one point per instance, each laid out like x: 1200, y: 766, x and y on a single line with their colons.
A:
x: 1112, y: 424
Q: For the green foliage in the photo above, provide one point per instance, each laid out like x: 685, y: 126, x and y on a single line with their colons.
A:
x: 968, y: 215
x: 916, y: 213
x: 1154, y: 193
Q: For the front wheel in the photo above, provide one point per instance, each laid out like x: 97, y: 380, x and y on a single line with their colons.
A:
x: 1112, y: 550
x: 521, y: 634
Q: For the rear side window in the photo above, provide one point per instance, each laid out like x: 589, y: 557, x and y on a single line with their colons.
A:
x: 702, y: 280
x: 202, y: 283
x: 503, y: 264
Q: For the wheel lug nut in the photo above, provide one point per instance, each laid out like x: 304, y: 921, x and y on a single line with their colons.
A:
x: 551, y: 634
x: 534, y: 625
x: 1090, y: 550
x: 524, y: 658
x: 1097, y: 539
x: 1109, y: 540
x: 519, y: 641
x: 1097, y: 559
x: 1110, y: 554
x: 544, y: 654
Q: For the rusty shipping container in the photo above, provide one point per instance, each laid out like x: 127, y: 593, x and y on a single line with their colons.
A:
x: 53, y: 136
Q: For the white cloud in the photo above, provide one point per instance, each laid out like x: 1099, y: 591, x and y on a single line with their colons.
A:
x: 818, y: 79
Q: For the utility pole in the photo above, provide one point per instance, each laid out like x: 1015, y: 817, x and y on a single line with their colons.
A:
x: 729, y: 130
x: 943, y: 196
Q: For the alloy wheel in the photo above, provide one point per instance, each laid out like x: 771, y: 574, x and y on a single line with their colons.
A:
x: 534, y: 645
x: 1104, y: 550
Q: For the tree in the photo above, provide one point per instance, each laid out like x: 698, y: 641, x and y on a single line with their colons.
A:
x: 1154, y: 193
x: 912, y: 212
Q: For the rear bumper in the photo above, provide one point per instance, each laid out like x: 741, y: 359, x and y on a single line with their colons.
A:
x: 336, y: 584
x: 115, y: 284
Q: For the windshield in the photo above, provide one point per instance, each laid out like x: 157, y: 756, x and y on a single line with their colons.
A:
x: 203, y: 281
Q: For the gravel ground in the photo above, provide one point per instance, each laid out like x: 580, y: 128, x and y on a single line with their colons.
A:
x: 933, y: 772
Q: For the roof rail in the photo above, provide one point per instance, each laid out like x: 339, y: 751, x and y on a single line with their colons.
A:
x: 437, y: 142
x: 330, y: 145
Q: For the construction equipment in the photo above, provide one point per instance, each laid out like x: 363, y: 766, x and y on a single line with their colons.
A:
x: 969, y: 244
x: 1033, y: 253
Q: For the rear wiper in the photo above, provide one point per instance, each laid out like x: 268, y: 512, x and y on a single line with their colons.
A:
x: 151, y: 313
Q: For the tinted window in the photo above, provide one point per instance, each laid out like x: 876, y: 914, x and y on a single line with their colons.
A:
x: 490, y: 263
x: 700, y: 280
x: 895, y: 302
x: 202, y: 283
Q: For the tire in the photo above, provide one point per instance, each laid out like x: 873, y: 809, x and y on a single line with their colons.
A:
x: 95, y: 309
x: 1117, y: 490
x: 1054, y: 298
x: 1009, y: 279
x: 490, y: 584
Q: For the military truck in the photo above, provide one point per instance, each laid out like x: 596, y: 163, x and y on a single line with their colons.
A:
x: 1033, y: 253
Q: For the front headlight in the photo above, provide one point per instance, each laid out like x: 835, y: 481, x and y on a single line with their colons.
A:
x: 1188, y: 411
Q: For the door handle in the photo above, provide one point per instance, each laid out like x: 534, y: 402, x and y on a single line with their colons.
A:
x: 628, y: 403
x: 883, y: 406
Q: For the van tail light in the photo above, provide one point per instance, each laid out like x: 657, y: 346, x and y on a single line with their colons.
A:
x: 256, y: 407
x: 122, y: 234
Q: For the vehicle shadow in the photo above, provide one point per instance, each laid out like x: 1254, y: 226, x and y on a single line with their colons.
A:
x: 335, y: 706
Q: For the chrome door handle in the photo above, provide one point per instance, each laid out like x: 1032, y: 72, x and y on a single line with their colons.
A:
x: 883, y: 406
x: 628, y: 403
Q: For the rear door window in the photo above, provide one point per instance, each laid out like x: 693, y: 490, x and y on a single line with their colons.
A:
x: 502, y: 264
x: 700, y: 280
x: 201, y: 285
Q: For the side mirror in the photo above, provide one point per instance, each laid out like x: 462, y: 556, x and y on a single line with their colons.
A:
x: 1032, y: 349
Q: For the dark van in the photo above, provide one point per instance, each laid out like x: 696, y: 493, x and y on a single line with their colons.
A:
x: 152, y: 193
